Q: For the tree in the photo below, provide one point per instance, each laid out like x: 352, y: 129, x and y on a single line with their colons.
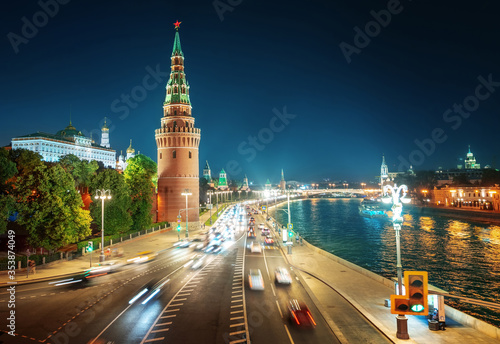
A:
x: 81, y: 170
x: 117, y: 218
x: 139, y: 175
x: 50, y: 208
x: 7, y: 202
x: 461, y: 179
x: 203, y: 190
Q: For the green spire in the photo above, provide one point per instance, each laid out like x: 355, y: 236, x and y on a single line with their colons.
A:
x: 282, y: 175
x: 177, y: 45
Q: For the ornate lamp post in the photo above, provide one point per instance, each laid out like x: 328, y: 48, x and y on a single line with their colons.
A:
x: 397, y: 196
x: 102, y: 194
x: 186, y: 193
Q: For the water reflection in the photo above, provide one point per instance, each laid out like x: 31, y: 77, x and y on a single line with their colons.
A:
x: 461, y: 257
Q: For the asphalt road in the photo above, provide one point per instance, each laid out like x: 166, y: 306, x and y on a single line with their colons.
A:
x: 212, y: 304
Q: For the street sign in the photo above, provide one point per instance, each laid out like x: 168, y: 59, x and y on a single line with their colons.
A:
x: 90, y: 246
x: 263, y: 208
x: 178, y: 220
x: 209, y: 206
x: 289, y: 226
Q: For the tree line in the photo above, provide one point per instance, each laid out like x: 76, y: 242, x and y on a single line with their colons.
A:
x: 44, y: 199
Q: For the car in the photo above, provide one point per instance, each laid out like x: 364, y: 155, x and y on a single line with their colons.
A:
x: 143, y: 257
x: 213, y: 249
x: 282, y: 276
x: 269, y: 240
x: 300, y: 315
x: 255, y: 247
x: 150, y: 291
x: 198, y: 261
x: 261, y: 226
x: 255, y: 280
x: 265, y: 231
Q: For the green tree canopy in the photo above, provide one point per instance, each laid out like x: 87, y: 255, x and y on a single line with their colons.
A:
x: 81, y: 170
x: 117, y: 218
x: 139, y: 175
x: 7, y: 202
x: 50, y: 208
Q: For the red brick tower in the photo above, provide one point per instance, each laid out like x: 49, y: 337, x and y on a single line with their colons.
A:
x: 177, y: 143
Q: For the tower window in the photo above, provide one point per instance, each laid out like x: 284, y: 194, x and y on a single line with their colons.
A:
x: 175, y: 123
x: 174, y: 154
x: 190, y: 154
x: 160, y: 155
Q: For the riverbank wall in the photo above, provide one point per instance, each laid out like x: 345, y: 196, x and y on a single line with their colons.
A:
x: 460, y: 213
x: 452, y: 313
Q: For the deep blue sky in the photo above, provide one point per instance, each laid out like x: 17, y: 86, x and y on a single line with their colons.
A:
x: 264, y: 55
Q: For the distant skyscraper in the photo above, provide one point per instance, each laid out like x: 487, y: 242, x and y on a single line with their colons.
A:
x: 470, y: 162
x: 177, y: 144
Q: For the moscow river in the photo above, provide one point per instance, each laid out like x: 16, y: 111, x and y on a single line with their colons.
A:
x: 461, y: 257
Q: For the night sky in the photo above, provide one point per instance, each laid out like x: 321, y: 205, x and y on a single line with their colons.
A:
x: 429, y: 72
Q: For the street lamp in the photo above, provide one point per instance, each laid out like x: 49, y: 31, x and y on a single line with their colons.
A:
x: 186, y: 193
x: 102, y: 194
x: 398, y: 196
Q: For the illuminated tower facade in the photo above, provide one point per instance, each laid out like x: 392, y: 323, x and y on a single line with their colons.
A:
x: 282, y: 181
x: 384, y: 173
x: 177, y: 144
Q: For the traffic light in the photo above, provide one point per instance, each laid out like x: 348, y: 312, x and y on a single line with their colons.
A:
x: 290, y: 234
x: 90, y: 246
x: 399, y: 304
x: 415, y: 300
x: 178, y: 228
x: 416, y: 286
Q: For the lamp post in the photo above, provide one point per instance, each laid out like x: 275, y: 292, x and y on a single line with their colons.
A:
x: 398, y: 196
x: 186, y: 193
x: 102, y: 194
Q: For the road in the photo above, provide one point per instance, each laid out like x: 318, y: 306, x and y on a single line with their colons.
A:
x: 212, y: 304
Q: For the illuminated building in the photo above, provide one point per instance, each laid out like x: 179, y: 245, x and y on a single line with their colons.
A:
x: 177, y: 144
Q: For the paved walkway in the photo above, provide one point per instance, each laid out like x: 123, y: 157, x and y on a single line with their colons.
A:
x: 368, y: 296
x: 364, y: 293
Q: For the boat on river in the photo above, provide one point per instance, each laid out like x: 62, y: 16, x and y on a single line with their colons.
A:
x: 372, y: 208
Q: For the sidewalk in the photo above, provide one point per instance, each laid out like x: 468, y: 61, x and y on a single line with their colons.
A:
x: 368, y: 295
x: 155, y: 241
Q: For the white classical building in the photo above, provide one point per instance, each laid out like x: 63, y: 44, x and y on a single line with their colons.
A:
x: 68, y: 141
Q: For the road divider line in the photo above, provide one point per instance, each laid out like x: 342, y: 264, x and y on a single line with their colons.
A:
x: 236, y: 318
x: 234, y: 312
x: 162, y: 330
x: 289, y: 335
x: 235, y: 333
x: 279, y: 308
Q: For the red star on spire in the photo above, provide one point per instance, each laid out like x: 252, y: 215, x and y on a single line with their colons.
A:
x: 177, y: 24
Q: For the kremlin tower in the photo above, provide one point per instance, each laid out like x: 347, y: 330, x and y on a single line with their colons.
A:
x: 177, y: 144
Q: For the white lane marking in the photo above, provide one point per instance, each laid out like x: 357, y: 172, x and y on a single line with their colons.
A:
x: 289, y: 335
x: 272, y: 288
x: 236, y: 325
x: 236, y: 306
x: 154, y: 340
x: 237, y: 291
x: 184, y: 299
x: 236, y: 318
x: 176, y: 305
x: 172, y: 310
x: 234, y: 312
x: 235, y: 333
x: 238, y: 341
x: 239, y: 300
x: 167, y: 323
x: 92, y: 342
x: 279, y: 308
x: 163, y: 330
x: 185, y: 294
x: 169, y: 316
